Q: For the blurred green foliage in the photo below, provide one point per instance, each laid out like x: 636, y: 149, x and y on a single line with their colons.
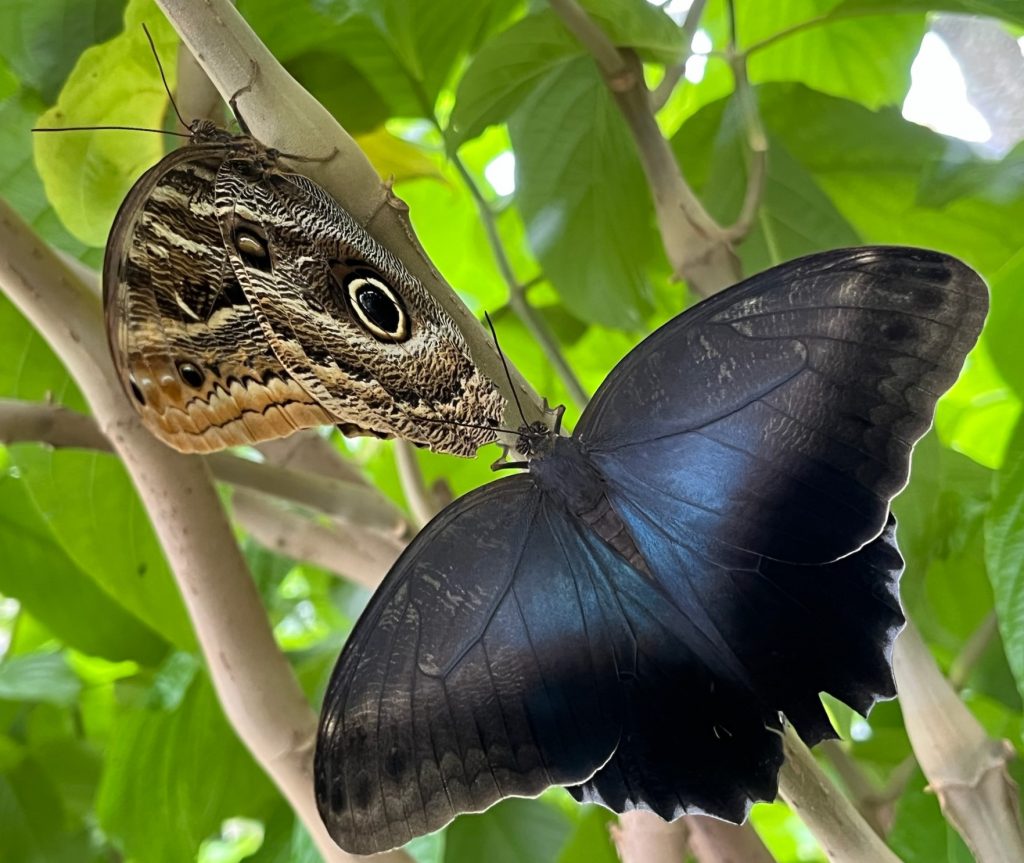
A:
x: 112, y: 745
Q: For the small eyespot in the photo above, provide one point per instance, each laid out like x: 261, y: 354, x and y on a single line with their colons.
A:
x: 139, y: 397
x: 378, y: 308
x: 253, y: 249
x: 191, y: 374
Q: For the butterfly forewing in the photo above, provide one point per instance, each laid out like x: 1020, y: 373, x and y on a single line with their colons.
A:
x: 419, y: 385
x: 778, y: 417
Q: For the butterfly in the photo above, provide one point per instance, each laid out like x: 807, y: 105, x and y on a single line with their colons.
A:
x: 708, y: 551
x: 243, y: 303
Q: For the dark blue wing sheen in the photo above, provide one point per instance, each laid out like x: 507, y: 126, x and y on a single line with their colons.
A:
x: 778, y: 417
x: 508, y: 650
x: 711, y: 549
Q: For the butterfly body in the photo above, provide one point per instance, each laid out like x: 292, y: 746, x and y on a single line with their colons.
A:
x: 709, y: 550
x: 243, y: 304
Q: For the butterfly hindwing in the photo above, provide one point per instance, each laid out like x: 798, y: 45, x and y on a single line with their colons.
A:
x: 778, y: 416
x: 187, y: 349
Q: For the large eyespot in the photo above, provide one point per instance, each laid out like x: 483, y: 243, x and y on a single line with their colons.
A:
x: 252, y: 248
x: 191, y: 374
x: 378, y: 308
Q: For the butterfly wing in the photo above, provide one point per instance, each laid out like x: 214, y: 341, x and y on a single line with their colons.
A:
x: 777, y: 422
x: 778, y: 416
x: 500, y: 656
x: 188, y: 351
x: 420, y: 385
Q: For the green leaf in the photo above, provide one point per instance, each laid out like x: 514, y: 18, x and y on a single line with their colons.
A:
x: 867, y: 60
x: 583, y: 197
x: 512, y: 64
x: 1008, y: 10
x: 38, y: 677
x: 94, y: 512
x: 358, y: 105
x: 409, y: 48
x: 39, y: 574
x: 960, y: 176
x: 590, y: 840
x: 31, y: 370
x: 1004, y: 547
x: 513, y: 831
x: 919, y: 834
x: 88, y: 174
x: 1002, y: 331
x: 795, y: 216
x: 177, y: 776
x: 239, y: 839
x: 870, y: 165
x: 35, y: 829
x: 978, y: 414
x: 40, y: 41
x: 19, y: 183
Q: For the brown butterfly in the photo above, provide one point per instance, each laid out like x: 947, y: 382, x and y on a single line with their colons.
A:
x: 242, y: 304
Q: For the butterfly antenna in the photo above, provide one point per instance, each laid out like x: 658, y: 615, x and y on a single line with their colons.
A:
x: 163, y: 77
x: 109, y: 129
x: 508, y: 374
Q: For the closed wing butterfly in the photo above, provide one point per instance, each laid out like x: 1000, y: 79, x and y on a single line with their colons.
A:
x: 242, y: 304
x: 709, y: 550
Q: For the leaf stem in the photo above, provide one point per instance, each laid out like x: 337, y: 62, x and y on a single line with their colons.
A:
x: 531, y: 319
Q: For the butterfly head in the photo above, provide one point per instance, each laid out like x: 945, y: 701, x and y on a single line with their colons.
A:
x: 534, y: 439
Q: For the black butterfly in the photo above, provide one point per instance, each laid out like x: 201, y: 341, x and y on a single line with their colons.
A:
x: 710, y: 549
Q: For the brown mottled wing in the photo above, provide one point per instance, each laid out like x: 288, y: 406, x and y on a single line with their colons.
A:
x: 778, y: 417
x: 188, y: 351
x: 424, y: 388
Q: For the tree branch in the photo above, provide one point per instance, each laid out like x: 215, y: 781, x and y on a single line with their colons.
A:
x: 844, y: 835
x: 282, y: 114
x: 253, y: 680
x: 350, y: 502
x: 417, y: 495
x: 361, y: 556
x: 964, y: 767
x: 695, y: 245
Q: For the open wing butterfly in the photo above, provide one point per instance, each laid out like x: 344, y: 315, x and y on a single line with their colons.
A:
x: 710, y: 550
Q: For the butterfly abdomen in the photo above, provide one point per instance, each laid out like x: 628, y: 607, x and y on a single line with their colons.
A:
x: 570, y: 478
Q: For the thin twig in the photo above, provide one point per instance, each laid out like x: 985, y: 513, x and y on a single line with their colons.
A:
x: 517, y: 292
x: 417, y: 495
x: 695, y: 245
x: 973, y: 650
x: 673, y: 74
x: 757, y: 141
x: 361, y: 556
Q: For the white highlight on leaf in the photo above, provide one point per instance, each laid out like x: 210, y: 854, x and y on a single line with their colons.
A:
x: 675, y: 9
x: 860, y: 730
x: 938, y: 95
x: 501, y: 173
x: 697, y: 61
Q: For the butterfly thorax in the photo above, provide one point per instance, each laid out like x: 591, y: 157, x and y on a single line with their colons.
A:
x: 563, y: 471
